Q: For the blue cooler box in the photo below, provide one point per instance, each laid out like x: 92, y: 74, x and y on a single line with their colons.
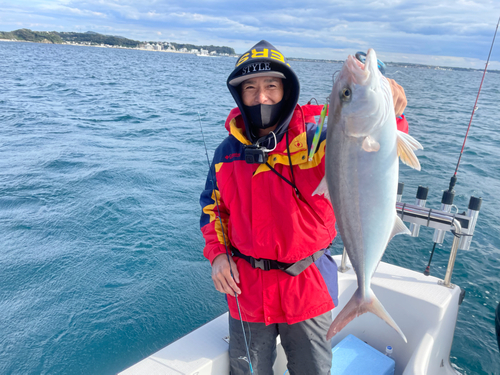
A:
x: 352, y: 356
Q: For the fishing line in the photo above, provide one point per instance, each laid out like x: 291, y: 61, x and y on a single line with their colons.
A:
x: 475, y: 105
x: 450, y: 192
x: 212, y: 178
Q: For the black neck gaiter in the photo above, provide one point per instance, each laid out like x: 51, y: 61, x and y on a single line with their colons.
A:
x: 263, y: 116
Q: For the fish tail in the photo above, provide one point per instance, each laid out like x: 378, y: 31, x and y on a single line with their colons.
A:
x: 376, y: 307
x: 358, y: 306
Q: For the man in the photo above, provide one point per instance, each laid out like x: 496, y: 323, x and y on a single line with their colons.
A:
x: 276, y: 231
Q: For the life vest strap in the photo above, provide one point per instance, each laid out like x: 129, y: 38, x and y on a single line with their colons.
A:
x: 293, y: 269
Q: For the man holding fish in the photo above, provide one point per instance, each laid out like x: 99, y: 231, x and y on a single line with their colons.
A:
x: 267, y: 220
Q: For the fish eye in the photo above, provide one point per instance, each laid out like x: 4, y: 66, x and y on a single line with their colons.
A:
x: 345, y: 94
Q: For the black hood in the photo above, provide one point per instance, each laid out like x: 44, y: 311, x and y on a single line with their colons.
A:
x: 265, y: 59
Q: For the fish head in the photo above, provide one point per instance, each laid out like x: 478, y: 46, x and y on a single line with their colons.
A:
x: 361, y: 97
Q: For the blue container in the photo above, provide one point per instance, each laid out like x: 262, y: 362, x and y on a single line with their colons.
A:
x: 354, y: 357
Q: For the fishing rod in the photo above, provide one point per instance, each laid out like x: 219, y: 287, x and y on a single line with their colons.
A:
x: 448, y: 195
x: 212, y: 178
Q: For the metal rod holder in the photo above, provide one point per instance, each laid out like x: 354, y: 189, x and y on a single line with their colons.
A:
x: 343, y: 268
x: 441, y: 220
x: 453, y: 254
x: 438, y: 220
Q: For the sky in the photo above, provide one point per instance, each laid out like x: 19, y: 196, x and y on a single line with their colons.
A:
x: 455, y: 33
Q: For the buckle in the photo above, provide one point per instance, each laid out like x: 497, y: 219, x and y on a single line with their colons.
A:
x: 263, y: 264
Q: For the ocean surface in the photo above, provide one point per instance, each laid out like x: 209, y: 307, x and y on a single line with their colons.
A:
x: 101, y: 167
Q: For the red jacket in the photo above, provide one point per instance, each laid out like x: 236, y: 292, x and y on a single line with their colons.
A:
x: 264, y: 218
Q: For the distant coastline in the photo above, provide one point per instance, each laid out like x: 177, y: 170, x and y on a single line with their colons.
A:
x: 403, y: 65
x: 93, y: 39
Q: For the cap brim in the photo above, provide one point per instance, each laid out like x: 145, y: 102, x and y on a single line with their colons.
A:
x: 236, y: 81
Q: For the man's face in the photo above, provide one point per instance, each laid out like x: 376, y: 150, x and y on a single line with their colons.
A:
x: 262, y: 90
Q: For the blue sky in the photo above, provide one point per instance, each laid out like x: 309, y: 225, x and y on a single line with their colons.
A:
x: 436, y: 32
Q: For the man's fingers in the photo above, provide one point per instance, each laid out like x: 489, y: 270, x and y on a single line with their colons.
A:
x: 236, y: 274
x: 398, y: 96
x: 233, y: 286
x: 222, y: 286
x: 226, y: 286
x: 221, y: 275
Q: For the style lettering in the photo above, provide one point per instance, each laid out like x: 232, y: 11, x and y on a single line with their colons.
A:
x: 256, y: 67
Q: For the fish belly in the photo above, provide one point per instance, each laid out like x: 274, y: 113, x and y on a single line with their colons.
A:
x: 363, y: 188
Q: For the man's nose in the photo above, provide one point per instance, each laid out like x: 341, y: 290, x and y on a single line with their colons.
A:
x: 262, y: 97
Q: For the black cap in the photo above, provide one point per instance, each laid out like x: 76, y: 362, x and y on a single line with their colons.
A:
x: 448, y: 197
x: 263, y: 59
x: 475, y: 203
x: 401, y: 186
x: 422, y: 193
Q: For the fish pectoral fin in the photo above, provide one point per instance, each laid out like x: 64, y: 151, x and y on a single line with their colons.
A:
x: 399, y: 228
x: 322, y: 189
x: 370, y: 144
x: 406, y: 145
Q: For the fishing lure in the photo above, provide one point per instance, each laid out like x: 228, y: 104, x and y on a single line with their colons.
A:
x: 315, y: 141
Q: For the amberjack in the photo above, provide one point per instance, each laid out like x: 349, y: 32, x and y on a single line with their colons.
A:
x: 361, y: 176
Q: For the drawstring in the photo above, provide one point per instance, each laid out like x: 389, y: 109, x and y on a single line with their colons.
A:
x: 291, y: 165
x: 292, y: 184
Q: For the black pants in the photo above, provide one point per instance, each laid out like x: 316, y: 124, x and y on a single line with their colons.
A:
x: 305, y: 345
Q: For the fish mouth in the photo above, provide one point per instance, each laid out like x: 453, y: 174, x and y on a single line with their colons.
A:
x: 371, y: 62
x: 362, y: 74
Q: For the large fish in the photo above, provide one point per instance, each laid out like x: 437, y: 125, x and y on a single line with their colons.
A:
x: 362, y: 149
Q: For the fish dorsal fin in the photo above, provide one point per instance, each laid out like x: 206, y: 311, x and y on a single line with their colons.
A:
x: 322, y: 189
x: 406, y: 145
x: 370, y: 144
x: 399, y: 227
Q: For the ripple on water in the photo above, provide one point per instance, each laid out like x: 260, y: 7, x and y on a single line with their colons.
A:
x: 102, y: 164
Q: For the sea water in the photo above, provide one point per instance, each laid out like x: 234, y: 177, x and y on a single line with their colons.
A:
x: 101, y: 167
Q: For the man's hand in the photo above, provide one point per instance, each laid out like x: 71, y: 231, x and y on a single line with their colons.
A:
x: 398, y: 96
x: 221, y: 275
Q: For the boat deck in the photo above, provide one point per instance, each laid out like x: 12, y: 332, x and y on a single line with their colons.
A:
x: 424, y: 310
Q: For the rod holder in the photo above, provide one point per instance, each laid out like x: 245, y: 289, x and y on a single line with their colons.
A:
x: 446, y: 204
x: 473, y: 213
x: 343, y: 268
x: 419, y: 201
x: 453, y: 254
x: 401, y: 186
x: 437, y: 220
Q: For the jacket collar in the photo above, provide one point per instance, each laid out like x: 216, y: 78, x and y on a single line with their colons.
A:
x: 297, y: 132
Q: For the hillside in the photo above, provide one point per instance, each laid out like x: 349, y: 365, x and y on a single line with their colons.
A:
x: 92, y: 38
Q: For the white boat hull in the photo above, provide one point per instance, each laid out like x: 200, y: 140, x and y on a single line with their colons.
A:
x: 425, y: 311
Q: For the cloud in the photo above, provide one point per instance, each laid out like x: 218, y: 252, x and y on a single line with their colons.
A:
x: 61, y: 9
x: 445, y: 28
